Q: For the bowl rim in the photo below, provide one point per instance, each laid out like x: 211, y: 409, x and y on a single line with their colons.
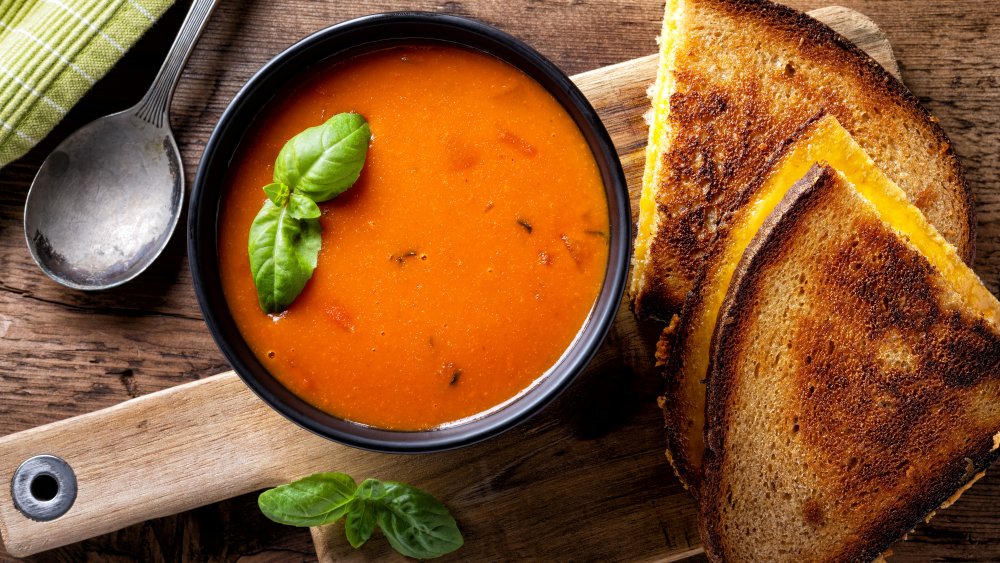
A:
x: 205, y: 201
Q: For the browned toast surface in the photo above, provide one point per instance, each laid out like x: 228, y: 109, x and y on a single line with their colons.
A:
x: 683, y: 401
x: 747, y: 74
x: 852, y: 390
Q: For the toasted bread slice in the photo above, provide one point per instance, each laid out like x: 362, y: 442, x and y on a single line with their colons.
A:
x: 689, y: 341
x: 736, y: 78
x: 854, y: 385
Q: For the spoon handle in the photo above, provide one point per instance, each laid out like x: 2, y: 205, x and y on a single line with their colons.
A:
x: 155, y: 105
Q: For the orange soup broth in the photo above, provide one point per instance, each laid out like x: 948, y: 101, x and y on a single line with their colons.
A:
x: 458, y: 268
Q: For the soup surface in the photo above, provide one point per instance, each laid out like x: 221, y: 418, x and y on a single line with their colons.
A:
x: 461, y: 264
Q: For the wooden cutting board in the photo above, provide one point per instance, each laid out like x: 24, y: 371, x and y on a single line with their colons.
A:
x: 591, y: 480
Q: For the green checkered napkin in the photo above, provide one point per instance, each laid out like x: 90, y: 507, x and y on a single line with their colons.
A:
x: 52, y: 52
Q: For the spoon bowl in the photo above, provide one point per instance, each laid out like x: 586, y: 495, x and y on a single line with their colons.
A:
x: 104, y: 203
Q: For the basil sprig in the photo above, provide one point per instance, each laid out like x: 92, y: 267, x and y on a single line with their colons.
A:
x: 322, y: 162
x: 415, y: 523
x: 314, y: 166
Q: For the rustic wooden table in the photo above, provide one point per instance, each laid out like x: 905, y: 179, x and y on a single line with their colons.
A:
x: 64, y: 353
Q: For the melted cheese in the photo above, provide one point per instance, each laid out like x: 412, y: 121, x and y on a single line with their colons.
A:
x: 827, y: 141
x: 659, y: 140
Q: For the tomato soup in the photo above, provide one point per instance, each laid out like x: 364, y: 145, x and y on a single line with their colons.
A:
x: 462, y: 263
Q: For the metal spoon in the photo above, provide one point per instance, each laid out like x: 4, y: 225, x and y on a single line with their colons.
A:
x: 104, y: 203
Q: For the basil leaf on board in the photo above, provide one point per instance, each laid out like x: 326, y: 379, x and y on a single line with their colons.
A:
x: 363, y: 516
x: 277, y: 193
x: 302, y: 207
x: 283, y: 253
x: 319, y: 499
x: 324, y: 161
x: 417, y: 524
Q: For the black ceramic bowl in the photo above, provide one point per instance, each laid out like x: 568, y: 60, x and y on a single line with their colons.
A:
x: 341, y: 41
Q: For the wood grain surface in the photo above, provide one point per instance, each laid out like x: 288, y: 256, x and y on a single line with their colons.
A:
x: 64, y: 353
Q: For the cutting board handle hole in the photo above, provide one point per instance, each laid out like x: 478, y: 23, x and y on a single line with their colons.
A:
x: 43, y: 487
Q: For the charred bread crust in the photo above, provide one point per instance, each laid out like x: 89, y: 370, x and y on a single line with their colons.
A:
x: 678, y: 247
x: 767, y: 248
x: 676, y: 408
x: 675, y: 411
x: 953, y: 478
x: 796, y: 23
x: 763, y: 249
x: 665, y: 344
x: 652, y: 302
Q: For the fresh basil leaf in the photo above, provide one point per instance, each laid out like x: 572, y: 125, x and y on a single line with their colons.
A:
x: 324, y: 161
x: 283, y: 253
x: 301, y: 207
x: 361, y: 523
x: 313, y: 166
x: 277, y: 193
x: 362, y: 517
x: 319, y: 499
x: 415, y: 523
